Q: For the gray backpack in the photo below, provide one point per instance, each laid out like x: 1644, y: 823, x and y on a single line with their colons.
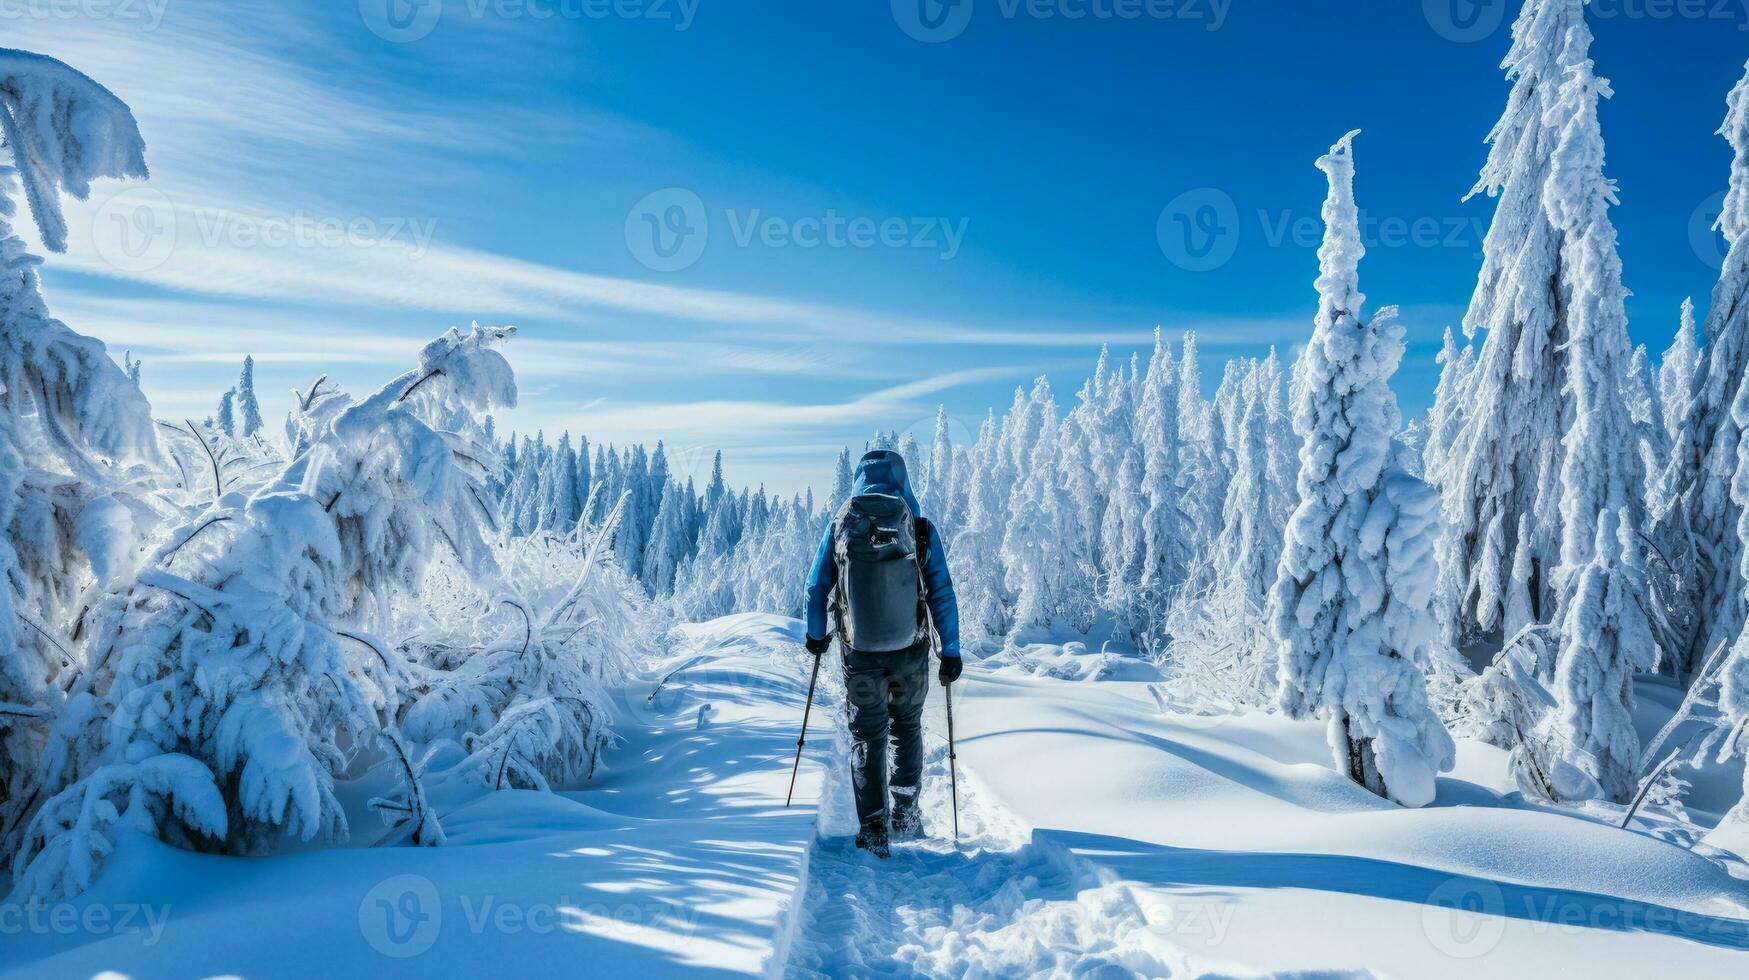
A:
x: 882, y: 602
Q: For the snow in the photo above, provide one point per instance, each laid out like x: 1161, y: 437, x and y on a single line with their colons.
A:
x: 679, y: 857
x: 1098, y: 833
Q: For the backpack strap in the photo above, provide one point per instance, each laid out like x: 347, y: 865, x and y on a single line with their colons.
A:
x: 836, y: 608
x: 924, y: 536
x: 925, y: 539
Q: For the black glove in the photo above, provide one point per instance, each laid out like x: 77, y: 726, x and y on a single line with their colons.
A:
x: 950, y: 670
x: 817, y: 647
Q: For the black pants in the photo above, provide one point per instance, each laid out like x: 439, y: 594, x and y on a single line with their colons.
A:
x: 885, y: 695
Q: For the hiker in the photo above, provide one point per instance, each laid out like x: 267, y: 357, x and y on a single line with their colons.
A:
x: 884, y: 573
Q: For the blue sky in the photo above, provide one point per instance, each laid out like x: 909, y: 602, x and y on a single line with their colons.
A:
x: 774, y: 227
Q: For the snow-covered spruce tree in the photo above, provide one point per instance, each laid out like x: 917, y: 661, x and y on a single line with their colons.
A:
x: 1350, y: 604
x: 1044, y: 560
x: 1677, y: 370
x: 520, y: 510
x: 563, y: 503
x: 976, y: 554
x: 1204, y: 476
x: 1446, y: 418
x: 841, y: 480
x: 235, y: 668
x: 916, y: 464
x: 938, y: 500
x: 1166, y: 534
x: 1604, y: 639
x: 1121, y: 464
x: 70, y: 418
x: 226, y: 416
x: 248, y: 406
x: 1639, y: 388
x: 1697, y: 521
x: 670, y: 542
x: 1606, y: 634
x: 1504, y: 458
x: 1084, y: 504
x: 1249, y: 546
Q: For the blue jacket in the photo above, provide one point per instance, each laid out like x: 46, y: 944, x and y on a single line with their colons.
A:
x: 883, y: 471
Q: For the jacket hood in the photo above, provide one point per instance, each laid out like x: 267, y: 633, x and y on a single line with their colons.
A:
x: 883, y: 471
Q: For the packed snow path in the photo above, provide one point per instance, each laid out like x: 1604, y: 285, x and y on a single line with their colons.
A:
x: 997, y: 904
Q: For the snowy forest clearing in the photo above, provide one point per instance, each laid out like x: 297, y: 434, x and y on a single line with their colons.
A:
x: 1095, y: 831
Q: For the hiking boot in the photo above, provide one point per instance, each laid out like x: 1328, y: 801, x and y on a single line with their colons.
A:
x: 873, y: 838
x: 907, y: 818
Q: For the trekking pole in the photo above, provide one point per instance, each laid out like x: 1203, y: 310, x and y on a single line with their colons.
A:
x: 802, y: 739
x: 953, y: 780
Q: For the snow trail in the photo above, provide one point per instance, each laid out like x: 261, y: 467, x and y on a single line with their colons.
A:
x: 1000, y: 903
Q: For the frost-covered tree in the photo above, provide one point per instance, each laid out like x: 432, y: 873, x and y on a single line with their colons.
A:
x: 230, y: 648
x: 1041, y: 555
x: 670, y: 541
x: 1677, y: 370
x: 1605, y: 638
x: 1504, y: 458
x: 1350, y: 604
x: 716, y: 489
x: 585, y: 477
x: 563, y: 501
x: 1248, y: 548
x: 1639, y: 388
x: 976, y: 554
x: 1165, y: 532
x: 1698, y: 519
x: 1605, y: 633
x: 226, y: 417
x: 916, y: 464
x: 841, y: 480
x: 1204, y: 488
x: 71, y: 420
x: 1123, y: 463
x: 938, y: 500
x: 1600, y: 470
x: 248, y: 406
